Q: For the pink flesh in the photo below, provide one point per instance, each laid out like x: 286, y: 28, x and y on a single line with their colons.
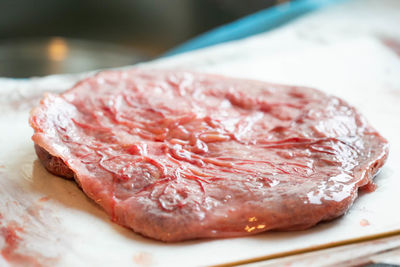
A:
x: 180, y: 155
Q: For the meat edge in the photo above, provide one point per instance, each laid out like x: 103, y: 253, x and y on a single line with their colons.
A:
x: 56, y: 166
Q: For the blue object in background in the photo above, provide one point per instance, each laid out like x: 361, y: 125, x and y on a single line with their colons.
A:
x: 258, y: 22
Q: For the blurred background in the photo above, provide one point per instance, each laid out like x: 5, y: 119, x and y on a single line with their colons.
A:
x: 68, y: 36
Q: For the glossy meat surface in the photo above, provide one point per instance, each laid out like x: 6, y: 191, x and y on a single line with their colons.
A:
x: 180, y: 155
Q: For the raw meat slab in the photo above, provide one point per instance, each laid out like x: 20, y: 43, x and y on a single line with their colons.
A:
x: 49, y: 220
x: 235, y: 157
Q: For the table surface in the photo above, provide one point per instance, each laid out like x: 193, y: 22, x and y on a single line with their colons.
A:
x: 350, y: 50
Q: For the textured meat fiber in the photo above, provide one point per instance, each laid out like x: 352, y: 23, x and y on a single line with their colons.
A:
x: 181, y: 155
